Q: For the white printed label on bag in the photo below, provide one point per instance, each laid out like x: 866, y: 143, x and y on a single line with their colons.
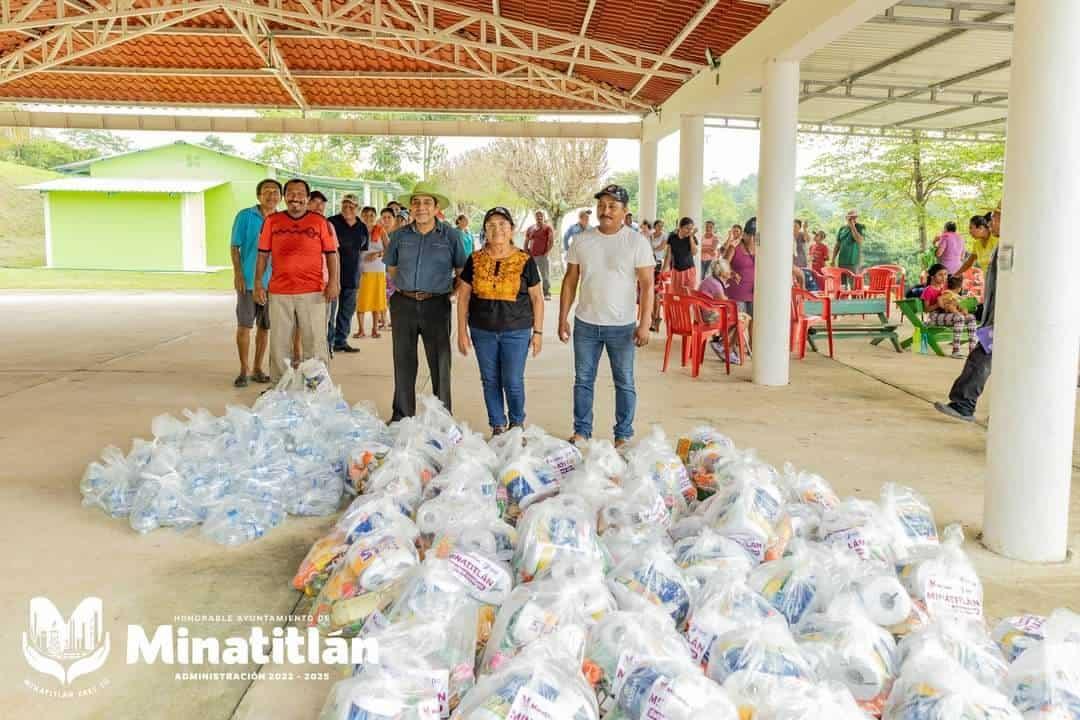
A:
x: 663, y: 704
x: 454, y: 435
x: 429, y: 710
x: 658, y: 512
x: 700, y: 641
x: 563, y: 460
x: 626, y: 661
x: 440, y: 683
x: 1029, y: 624
x: 683, y: 479
x: 953, y: 595
x: 750, y: 543
x: 476, y: 571
x: 528, y: 705
x: 853, y: 539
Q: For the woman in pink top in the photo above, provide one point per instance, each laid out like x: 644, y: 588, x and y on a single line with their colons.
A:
x: 709, y: 243
x: 740, y: 253
x: 950, y: 248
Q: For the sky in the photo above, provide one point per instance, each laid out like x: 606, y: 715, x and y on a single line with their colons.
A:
x: 730, y: 154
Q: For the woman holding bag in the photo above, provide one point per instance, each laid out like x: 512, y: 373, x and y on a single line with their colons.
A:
x: 500, y: 308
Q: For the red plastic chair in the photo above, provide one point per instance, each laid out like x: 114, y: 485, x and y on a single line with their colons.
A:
x: 729, y: 319
x: 879, y: 283
x: 683, y: 318
x: 834, y: 283
x: 801, y: 322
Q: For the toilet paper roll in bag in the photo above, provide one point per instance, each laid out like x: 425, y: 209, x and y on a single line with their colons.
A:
x: 885, y: 600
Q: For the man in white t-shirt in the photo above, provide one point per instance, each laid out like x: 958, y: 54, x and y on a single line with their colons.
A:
x: 608, y: 264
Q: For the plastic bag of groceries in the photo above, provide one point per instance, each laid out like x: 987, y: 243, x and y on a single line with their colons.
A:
x: 562, y: 604
x: 449, y: 514
x: 311, y: 376
x: 878, y: 592
x: 651, y: 458
x: 762, y: 649
x: 859, y: 528
x: 723, y: 472
x: 622, y: 542
x: 365, y: 579
x: 110, y: 484
x: 1017, y: 633
x: 700, y: 437
x: 597, y: 478
x: 240, y: 519
x: 464, y: 476
x: 711, y: 463
x: 651, y: 578
x: 473, y: 447
x: 703, y: 555
x: 541, y: 682
x: 637, y: 502
x: 806, y: 701
x: 669, y: 688
x: 750, y: 512
x: 808, y: 488
x: 944, y: 579
x: 910, y: 519
x: 1044, y: 682
x: 966, y: 642
x: 377, y: 693
x: 622, y: 639
x: 845, y: 647
x: 796, y: 584
x: 433, y: 415
x: 402, y: 476
x: 560, y: 455
x: 526, y: 479
x: 440, y: 650
x: 724, y: 604
x: 935, y: 687
x: 560, y: 527
x: 474, y: 559
x: 361, y: 460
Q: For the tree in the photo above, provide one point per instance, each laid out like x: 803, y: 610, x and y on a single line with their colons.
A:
x: 483, y: 173
x: 41, y: 151
x: 215, y: 142
x: 915, y: 182
x: 102, y: 142
x: 553, y: 175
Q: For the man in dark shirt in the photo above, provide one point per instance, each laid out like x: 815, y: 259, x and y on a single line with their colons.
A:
x: 423, y: 258
x: 353, y: 239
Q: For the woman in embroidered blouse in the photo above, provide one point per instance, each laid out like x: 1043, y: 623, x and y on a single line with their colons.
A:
x: 500, y: 309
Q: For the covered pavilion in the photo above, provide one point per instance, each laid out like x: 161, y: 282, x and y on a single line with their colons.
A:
x: 950, y: 69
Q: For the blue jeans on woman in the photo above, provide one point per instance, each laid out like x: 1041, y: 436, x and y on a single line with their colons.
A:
x: 502, y: 356
x: 589, y: 341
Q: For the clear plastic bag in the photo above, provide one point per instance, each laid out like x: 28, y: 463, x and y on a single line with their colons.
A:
x: 361, y: 460
x: 523, y: 481
x: 651, y: 458
x: 402, y: 476
x: 845, y: 647
x: 673, y: 689
x: 762, y: 649
x: 110, y: 484
x: 651, y: 577
x: 1044, y: 682
x: 464, y: 476
x: 375, y: 515
x: 752, y: 514
x: 542, y: 682
x: 944, y: 579
x: 1016, y: 634
x: 622, y: 639
x: 560, y: 527
x: 163, y: 501
x: 473, y: 447
x: 623, y: 542
x: 807, y: 488
x: 434, y: 416
x: 320, y: 561
x: 910, y: 519
x: 803, y: 701
x: 316, y: 490
x: 377, y: 694
x: 449, y: 514
x: 935, y: 687
x: 240, y: 519
x: 597, y: 478
x: 966, y: 643
x: 725, y: 603
x: 716, y: 468
x: 795, y: 585
x: 859, y: 528
x: 561, y: 456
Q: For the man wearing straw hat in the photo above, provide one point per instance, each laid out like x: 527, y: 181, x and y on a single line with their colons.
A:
x: 423, y: 258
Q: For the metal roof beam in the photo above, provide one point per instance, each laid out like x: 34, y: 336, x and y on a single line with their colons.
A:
x: 935, y: 102
x: 676, y: 42
x: 931, y: 88
x: 581, y: 33
x: 258, y: 35
x: 949, y: 111
x: 959, y: 5
x: 920, y: 22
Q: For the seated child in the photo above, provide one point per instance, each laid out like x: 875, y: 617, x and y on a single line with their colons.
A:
x: 945, y: 310
x: 949, y: 300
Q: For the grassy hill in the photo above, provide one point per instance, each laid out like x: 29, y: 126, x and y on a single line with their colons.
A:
x: 22, y: 222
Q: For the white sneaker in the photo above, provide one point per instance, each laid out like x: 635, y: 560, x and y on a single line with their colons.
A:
x: 717, y: 348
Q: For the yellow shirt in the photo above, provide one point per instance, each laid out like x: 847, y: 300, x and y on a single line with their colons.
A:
x: 983, y: 252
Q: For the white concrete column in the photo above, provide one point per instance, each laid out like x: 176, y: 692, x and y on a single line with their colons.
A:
x: 691, y: 166
x: 1029, y: 446
x: 647, y: 158
x: 776, y: 209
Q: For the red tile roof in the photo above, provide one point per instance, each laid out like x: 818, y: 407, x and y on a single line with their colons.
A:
x: 211, y: 42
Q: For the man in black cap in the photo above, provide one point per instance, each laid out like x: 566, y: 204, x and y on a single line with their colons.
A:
x: 607, y: 264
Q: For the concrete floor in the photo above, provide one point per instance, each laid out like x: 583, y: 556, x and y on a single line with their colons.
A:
x: 82, y: 371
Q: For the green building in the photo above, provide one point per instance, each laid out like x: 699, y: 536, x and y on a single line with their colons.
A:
x: 168, y: 208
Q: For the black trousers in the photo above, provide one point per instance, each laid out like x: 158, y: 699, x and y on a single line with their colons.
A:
x: 969, y: 386
x: 420, y: 319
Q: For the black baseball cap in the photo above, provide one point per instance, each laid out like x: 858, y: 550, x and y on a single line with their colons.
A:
x: 316, y: 195
x: 616, y: 191
x: 501, y: 211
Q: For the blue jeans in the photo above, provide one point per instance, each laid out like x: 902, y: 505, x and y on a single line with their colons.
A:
x: 589, y: 341
x: 502, y: 356
x: 341, y: 315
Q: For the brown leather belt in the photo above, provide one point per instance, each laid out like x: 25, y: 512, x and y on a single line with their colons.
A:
x: 420, y: 296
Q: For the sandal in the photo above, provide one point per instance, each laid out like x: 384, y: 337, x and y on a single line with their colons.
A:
x: 376, y: 336
x: 260, y: 377
x: 357, y: 335
x: 240, y: 381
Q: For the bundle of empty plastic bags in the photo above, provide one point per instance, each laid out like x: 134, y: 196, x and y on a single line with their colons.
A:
x: 523, y: 578
x: 294, y: 452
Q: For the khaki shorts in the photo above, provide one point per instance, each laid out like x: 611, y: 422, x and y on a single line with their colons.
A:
x: 248, y: 312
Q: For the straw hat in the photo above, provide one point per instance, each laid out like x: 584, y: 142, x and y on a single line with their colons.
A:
x: 428, y: 188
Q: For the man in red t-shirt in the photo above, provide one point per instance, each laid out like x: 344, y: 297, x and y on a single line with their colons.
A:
x: 297, y: 241
x: 538, y: 242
